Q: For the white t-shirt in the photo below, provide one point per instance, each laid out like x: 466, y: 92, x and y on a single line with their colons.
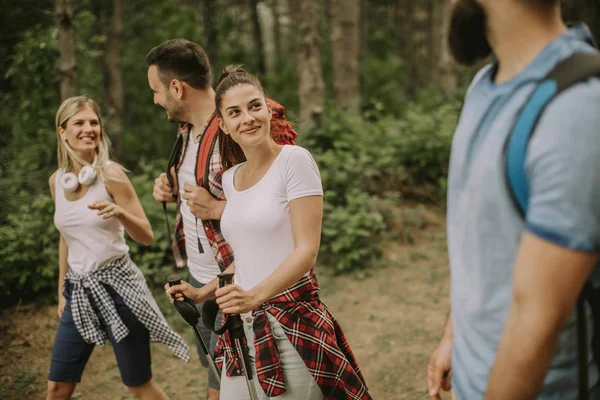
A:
x: 256, y: 221
x: 203, y: 266
x: 91, y: 240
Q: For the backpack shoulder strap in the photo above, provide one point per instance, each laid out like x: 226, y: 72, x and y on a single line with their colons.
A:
x: 205, y: 150
x: 574, y: 69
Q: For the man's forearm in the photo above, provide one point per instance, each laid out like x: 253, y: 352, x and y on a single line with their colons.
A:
x: 217, y: 210
x: 448, y: 332
x: 524, y: 355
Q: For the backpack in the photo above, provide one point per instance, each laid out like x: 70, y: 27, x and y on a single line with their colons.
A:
x: 573, y: 70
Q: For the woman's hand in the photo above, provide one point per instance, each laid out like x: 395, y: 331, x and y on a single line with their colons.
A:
x: 107, y: 209
x: 180, y: 290
x: 62, y: 302
x: 232, y: 299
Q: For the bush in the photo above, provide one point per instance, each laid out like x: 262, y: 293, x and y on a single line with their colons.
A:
x: 29, y: 252
x: 156, y: 261
x: 368, y: 166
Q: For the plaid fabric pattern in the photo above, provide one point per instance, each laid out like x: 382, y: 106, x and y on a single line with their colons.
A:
x: 315, y: 334
x: 127, y: 280
x: 212, y: 228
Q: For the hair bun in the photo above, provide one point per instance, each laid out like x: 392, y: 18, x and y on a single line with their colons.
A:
x: 230, y: 70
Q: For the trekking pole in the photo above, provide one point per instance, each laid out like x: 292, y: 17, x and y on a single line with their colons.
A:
x: 235, y: 326
x: 188, y: 310
x: 236, y: 332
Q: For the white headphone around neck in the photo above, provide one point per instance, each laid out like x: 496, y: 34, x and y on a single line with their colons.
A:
x: 70, y: 182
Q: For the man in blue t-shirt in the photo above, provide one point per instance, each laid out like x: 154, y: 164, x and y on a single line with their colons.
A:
x: 514, y: 282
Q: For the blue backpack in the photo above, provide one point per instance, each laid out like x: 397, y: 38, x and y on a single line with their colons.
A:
x: 575, y: 69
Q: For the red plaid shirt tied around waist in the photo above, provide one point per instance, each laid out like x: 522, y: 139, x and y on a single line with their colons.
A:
x: 316, y: 335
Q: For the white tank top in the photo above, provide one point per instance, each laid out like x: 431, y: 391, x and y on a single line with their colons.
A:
x: 92, y: 241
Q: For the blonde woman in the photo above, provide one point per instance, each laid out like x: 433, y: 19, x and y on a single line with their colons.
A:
x: 104, y: 295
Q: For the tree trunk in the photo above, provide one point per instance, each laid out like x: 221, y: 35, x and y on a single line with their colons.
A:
x: 113, y: 79
x: 277, y: 32
x: 66, y: 42
x: 259, y: 52
x: 447, y: 70
x: 419, y: 64
x: 363, y: 41
x: 310, y: 76
x: 406, y: 49
x: 345, y: 49
x: 211, y: 35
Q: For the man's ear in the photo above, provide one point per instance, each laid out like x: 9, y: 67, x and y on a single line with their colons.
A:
x: 221, y: 124
x: 176, y: 88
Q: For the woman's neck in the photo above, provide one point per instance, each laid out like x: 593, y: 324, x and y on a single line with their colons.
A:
x: 87, y: 156
x: 259, y: 156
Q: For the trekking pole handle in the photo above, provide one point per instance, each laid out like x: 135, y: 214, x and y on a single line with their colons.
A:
x: 225, y: 279
x: 173, y: 280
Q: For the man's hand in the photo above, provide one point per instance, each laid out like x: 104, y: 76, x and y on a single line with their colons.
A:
x: 201, y: 203
x: 163, y: 190
x: 62, y: 302
x: 439, y: 369
x: 176, y: 292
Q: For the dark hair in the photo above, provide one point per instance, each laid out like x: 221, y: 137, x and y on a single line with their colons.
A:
x: 183, y: 60
x: 233, y: 75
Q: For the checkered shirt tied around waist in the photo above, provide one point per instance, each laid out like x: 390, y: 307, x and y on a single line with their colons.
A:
x: 127, y: 280
x: 316, y: 335
x: 212, y: 229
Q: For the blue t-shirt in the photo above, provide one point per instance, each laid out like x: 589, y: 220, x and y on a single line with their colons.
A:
x: 484, y: 227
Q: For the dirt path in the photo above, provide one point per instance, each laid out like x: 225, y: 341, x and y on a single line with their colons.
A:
x: 393, y: 318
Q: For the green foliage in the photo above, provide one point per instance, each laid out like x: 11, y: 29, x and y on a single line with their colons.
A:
x: 156, y: 261
x: 146, y: 129
x: 29, y: 252
x: 20, y: 387
x: 382, y: 85
x: 365, y: 165
x: 421, y: 140
x: 348, y: 158
x: 350, y: 232
x: 368, y: 162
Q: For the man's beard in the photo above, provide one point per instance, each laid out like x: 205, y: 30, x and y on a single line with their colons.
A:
x: 467, y: 37
x: 175, y: 112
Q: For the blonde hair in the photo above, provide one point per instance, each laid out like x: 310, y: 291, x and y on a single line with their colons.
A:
x: 68, y: 159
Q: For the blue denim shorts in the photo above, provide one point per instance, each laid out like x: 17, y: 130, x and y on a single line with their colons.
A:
x: 70, y: 353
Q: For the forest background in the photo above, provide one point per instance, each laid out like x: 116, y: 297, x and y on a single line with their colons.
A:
x: 370, y: 85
